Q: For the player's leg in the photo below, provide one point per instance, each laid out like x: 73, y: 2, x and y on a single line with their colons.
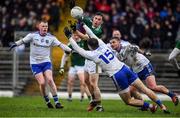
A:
x: 49, y: 77
x: 122, y: 80
x: 126, y: 97
x: 91, y: 68
x: 70, y: 82
x: 37, y: 71
x: 151, y: 83
x: 83, y: 86
x: 139, y: 85
x: 135, y: 93
x: 172, y: 58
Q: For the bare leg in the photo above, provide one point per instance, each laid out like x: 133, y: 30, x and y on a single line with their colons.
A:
x: 83, y: 85
x: 70, y: 85
x: 135, y: 93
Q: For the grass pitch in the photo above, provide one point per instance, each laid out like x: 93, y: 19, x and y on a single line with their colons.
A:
x: 35, y: 107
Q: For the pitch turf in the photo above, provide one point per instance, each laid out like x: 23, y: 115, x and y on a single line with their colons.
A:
x: 35, y: 107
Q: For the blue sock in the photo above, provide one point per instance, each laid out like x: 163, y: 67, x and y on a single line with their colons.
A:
x: 159, y: 102
x: 55, y: 97
x: 170, y: 94
x: 145, y: 105
x: 46, y: 98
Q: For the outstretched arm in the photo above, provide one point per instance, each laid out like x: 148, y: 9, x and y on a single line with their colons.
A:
x: 80, y: 50
x: 92, y: 35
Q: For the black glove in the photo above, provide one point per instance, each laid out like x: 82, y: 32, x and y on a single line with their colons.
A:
x: 67, y: 32
x: 13, y: 45
x: 72, y: 25
x: 72, y: 3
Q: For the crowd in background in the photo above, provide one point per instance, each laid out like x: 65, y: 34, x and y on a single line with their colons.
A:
x: 23, y: 15
x: 156, y: 21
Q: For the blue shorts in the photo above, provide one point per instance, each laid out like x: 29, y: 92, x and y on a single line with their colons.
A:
x: 147, y: 71
x: 42, y: 67
x: 124, y: 78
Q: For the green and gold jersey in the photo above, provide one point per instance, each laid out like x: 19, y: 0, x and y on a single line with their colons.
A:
x: 178, y: 44
x: 76, y: 58
x: 97, y: 31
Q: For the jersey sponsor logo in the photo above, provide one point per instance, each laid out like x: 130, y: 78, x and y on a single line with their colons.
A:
x: 42, y: 40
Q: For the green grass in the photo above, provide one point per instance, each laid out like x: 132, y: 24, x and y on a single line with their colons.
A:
x: 35, y: 107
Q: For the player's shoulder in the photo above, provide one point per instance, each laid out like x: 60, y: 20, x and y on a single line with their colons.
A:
x: 50, y: 35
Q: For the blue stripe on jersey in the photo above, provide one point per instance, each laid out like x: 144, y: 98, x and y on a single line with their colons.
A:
x: 42, y: 67
x: 147, y: 71
x: 124, y: 78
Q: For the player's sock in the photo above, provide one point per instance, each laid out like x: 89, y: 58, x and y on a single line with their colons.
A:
x: 46, y: 98
x: 70, y: 95
x: 82, y: 97
x: 93, y: 96
x: 56, y: 100
x: 159, y: 102
x: 89, y: 98
x: 146, y: 105
x: 171, y: 94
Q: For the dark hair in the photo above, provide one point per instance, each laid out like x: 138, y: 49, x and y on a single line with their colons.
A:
x: 99, y: 14
x: 114, y: 38
x: 93, y: 43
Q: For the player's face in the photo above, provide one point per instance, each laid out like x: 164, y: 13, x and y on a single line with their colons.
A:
x: 115, y: 44
x: 43, y: 28
x: 116, y: 33
x: 97, y: 20
x: 75, y: 37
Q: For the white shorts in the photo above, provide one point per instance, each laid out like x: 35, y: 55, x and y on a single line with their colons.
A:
x: 91, y: 68
x: 75, y: 70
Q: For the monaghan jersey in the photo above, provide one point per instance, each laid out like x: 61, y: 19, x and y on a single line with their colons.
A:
x: 103, y: 56
x: 132, y: 58
x: 40, y: 46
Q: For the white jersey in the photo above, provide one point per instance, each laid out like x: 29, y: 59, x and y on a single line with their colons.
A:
x: 132, y: 58
x: 40, y: 46
x: 103, y: 56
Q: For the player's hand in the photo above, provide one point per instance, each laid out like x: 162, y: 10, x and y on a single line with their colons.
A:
x: 72, y: 4
x: 61, y: 71
x: 147, y: 53
x: 72, y: 25
x: 67, y: 32
x: 13, y: 45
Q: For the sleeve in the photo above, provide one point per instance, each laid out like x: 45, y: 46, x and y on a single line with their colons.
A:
x: 64, y: 59
x: 28, y: 38
x: 92, y: 35
x: 81, y: 51
x: 56, y: 42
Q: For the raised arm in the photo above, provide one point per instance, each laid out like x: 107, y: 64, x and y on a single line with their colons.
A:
x: 92, y: 35
x: 73, y: 43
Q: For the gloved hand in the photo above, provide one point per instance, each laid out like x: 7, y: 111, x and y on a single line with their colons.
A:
x: 13, y: 45
x: 61, y: 71
x: 67, y: 32
x: 72, y: 25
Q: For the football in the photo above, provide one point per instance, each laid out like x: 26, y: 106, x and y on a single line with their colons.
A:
x: 77, y: 12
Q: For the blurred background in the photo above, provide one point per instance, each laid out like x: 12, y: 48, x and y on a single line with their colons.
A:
x: 151, y: 24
